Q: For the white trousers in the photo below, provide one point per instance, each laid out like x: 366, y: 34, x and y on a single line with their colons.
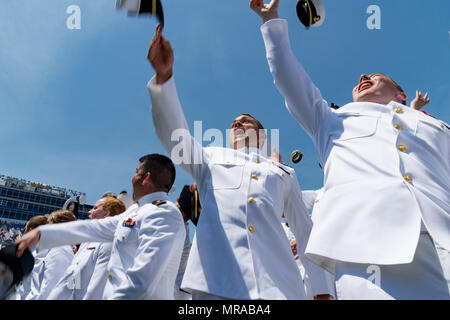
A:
x: 422, y: 279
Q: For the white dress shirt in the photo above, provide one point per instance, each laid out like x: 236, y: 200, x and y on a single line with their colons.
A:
x: 147, y: 241
x: 86, y: 277
x: 48, y: 271
x: 386, y: 168
x: 240, y: 250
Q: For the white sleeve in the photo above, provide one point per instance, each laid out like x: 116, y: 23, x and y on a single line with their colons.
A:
x: 97, y: 230
x: 161, y: 233
x: 309, y: 197
x: 303, y: 100
x: 172, y: 129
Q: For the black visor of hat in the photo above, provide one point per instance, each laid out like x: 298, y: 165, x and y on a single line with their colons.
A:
x: 19, y: 267
x: 190, y: 204
x: 140, y: 7
x: 308, y: 12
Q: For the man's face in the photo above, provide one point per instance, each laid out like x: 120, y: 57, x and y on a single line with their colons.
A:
x: 138, y: 183
x: 97, y: 211
x: 244, y: 132
x: 377, y: 88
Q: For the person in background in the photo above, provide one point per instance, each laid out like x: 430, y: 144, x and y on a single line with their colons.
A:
x: 23, y: 288
x: 54, y: 264
x: 147, y: 238
x: 420, y: 101
x: 86, y: 277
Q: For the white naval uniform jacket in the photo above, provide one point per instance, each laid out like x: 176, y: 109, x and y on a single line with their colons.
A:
x: 86, y: 277
x: 147, y: 241
x: 49, y: 271
x: 386, y: 168
x: 240, y: 250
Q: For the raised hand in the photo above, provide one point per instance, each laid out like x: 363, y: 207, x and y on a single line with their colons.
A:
x: 160, y: 55
x: 265, y: 11
x: 419, y: 102
x: 28, y: 240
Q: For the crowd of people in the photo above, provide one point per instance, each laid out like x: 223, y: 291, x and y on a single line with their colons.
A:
x: 10, y: 232
x: 379, y: 228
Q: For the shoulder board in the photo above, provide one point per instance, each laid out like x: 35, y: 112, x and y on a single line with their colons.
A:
x: 159, y: 202
x: 287, y: 169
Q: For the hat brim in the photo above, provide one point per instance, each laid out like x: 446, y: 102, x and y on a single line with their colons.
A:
x: 320, y: 8
x: 311, y: 13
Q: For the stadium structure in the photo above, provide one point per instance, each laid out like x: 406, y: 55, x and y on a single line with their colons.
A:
x: 21, y: 199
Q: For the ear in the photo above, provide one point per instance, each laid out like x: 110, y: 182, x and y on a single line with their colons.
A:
x: 400, y: 97
x: 147, y: 179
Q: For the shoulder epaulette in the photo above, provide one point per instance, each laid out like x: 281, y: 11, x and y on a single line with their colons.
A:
x: 159, y: 202
x: 283, y: 167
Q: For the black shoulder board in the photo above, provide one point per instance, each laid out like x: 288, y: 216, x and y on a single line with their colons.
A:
x: 159, y: 202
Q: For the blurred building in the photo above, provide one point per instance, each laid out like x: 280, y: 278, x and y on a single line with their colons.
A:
x: 21, y: 199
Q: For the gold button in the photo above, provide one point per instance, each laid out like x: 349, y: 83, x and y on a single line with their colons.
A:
x: 78, y: 262
x: 402, y: 148
x: 254, y: 176
x: 398, y: 110
x: 123, y: 236
x: 398, y: 127
x: 256, y: 160
x: 251, y: 199
x: 110, y: 277
x: 442, y: 126
x: 251, y: 229
x: 407, y: 178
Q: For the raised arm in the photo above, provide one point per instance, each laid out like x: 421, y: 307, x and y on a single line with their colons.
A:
x: 168, y: 117
x: 60, y: 234
x: 303, y: 100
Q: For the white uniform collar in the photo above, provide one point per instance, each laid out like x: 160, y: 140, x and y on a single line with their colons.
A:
x: 262, y: 152
x: 396, y: 104
x: 151, y: 197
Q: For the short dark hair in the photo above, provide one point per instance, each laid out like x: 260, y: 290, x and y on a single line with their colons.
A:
x: 161, y: 169
x: 260, y: 126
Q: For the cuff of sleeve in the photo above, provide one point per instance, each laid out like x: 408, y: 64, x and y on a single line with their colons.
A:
x: 275, y: 34
x: 157, y: 88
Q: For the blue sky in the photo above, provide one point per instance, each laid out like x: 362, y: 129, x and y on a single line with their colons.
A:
x: 75, y: 111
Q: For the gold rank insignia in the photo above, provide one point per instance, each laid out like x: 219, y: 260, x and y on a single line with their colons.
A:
x: 159, y: 202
